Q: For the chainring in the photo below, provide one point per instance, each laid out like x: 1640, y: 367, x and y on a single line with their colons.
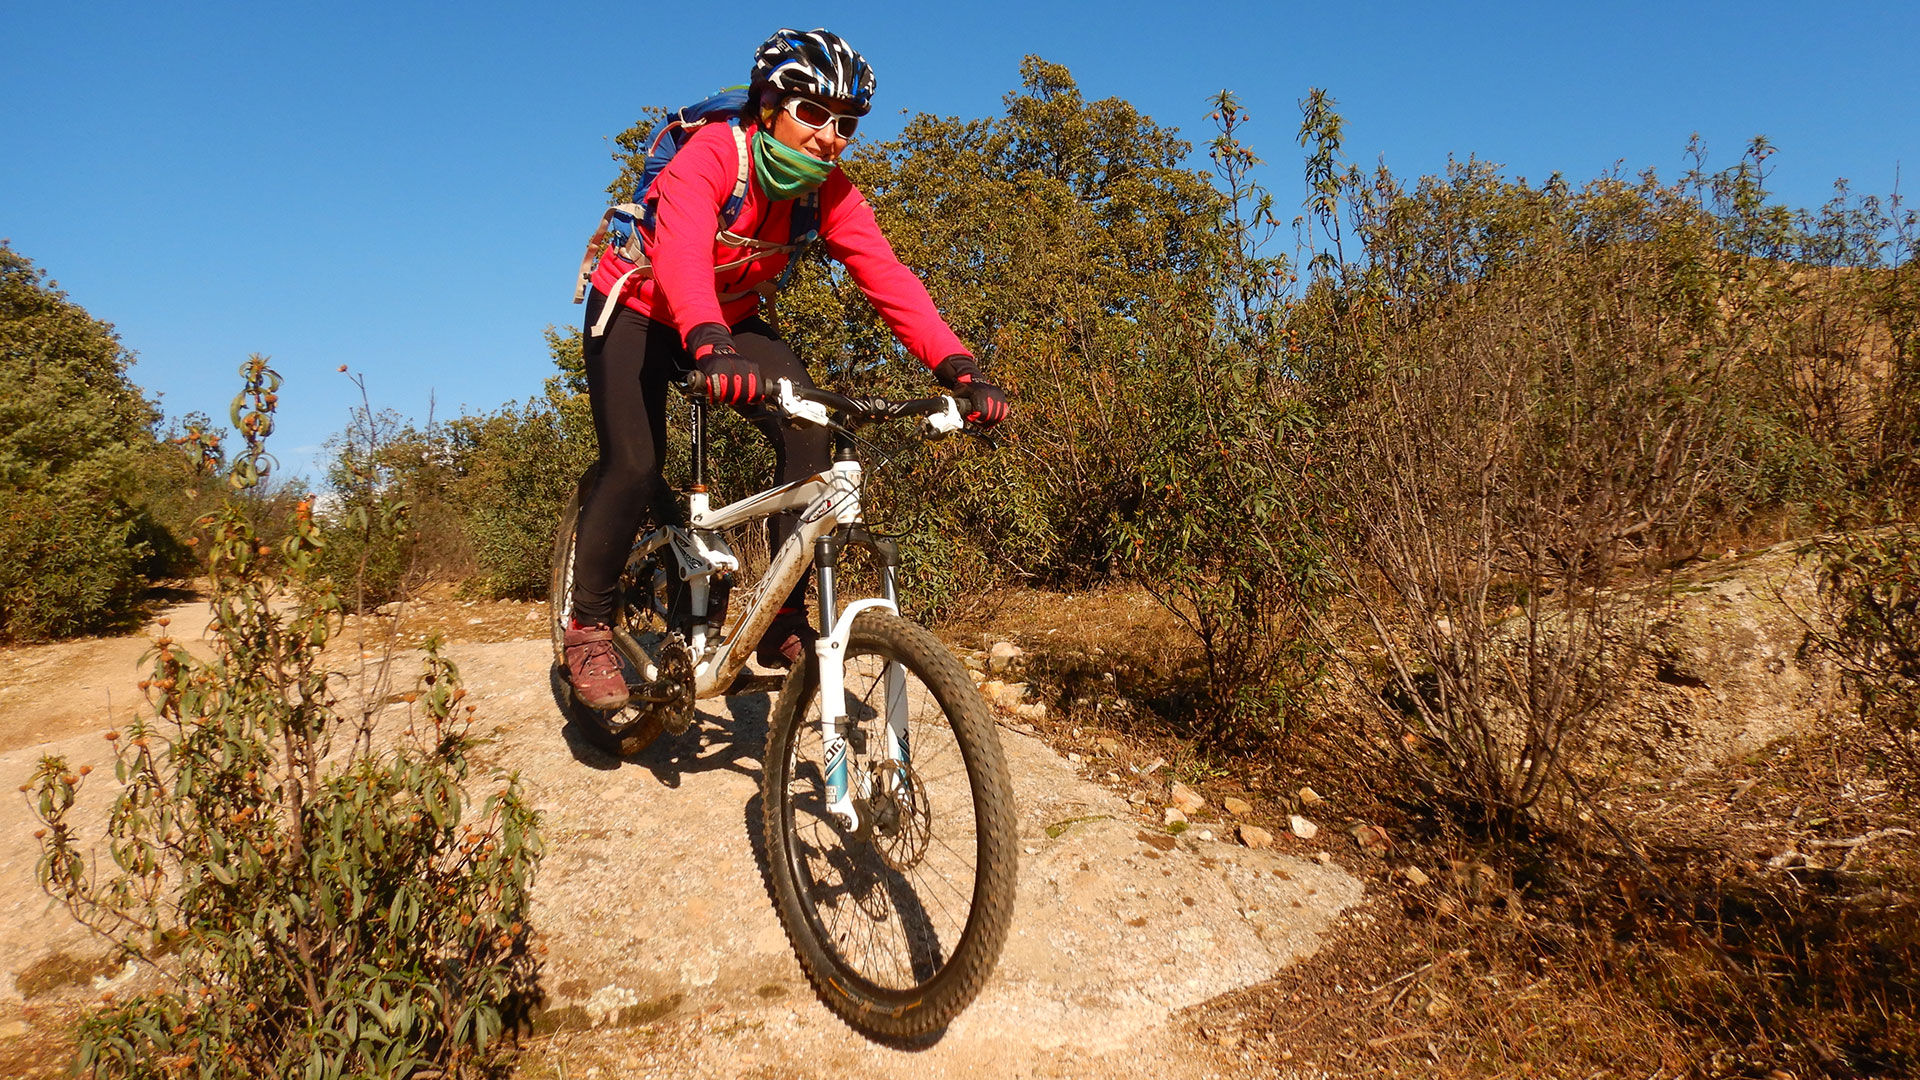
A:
x: 670, y: 695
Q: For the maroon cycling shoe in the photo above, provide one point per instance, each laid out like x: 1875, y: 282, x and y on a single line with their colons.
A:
x: 788, y: 638
x: 594, y: 669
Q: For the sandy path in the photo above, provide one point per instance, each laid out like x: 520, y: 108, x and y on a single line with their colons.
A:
x: 665, y: 953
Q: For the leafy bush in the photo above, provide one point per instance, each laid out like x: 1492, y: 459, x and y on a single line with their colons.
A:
x: 323, y: 896
x: 516, y: 469
x: 66, y: 568
x: 370, y: 544
x: 1218, y: 536
x: 1872, y: 588
x: 1055, y: 239
x: 75, y: 544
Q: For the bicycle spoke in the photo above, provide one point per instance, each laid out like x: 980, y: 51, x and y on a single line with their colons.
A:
x: 894, y: 927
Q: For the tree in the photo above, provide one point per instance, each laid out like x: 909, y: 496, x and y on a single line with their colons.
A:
x: 75, y: 543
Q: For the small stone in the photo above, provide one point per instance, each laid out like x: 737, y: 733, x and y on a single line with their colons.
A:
x: 1415, y: 876
x: 1236, y: 807
x: 12, y: 1029
x: 1323, y: 858
x: 1003, y: 694
x: 1032, y: 710
x: 1186, y: 798
x: 1206, y: 834
x: 1107, y: 745
x: 1002, y: 655
x: 1255, y: 837
x: 1032, y: 850
x: 1157, y: 762
x: 1310, y: 797
x: 973, y: 662
x: 1073, y: 757
x: 1302, y: 828
x: 1372, y: 839
x: 1173, y: 817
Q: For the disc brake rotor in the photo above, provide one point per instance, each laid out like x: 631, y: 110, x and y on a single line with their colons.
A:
x: 901, y: 822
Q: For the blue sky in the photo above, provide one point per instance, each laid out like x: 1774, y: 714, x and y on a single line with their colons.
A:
x: 405, y: 188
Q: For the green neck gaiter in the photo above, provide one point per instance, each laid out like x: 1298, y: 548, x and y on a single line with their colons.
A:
x: 785, y: 173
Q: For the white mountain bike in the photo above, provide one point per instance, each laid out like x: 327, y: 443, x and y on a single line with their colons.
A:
x: 888, y: 814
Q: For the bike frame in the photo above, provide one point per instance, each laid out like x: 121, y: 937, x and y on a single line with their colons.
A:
x: 830, y: 518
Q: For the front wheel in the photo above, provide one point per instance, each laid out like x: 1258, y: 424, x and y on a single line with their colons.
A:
x: 898, y: 920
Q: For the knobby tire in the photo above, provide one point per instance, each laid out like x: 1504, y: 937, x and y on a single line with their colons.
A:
x: 872, y: 901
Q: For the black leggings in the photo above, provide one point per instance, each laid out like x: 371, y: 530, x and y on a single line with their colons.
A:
x: 628, y: 370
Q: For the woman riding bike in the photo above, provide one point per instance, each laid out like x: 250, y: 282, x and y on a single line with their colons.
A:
x: 806, y: 95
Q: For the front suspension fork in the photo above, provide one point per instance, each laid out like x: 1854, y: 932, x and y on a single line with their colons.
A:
x: 830, y: 652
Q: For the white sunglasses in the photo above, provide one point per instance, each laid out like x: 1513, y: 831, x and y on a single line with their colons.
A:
x: 811, y: 114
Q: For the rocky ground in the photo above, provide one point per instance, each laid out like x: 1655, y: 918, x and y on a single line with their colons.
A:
x: 1175, y: 918
x: 664, y: 953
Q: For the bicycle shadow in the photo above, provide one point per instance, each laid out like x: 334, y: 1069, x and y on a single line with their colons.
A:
x: 727, y: 734
x: 754, y: 820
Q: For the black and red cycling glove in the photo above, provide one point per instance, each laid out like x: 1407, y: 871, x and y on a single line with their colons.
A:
x: 731, y: 379
x: 961, y: 375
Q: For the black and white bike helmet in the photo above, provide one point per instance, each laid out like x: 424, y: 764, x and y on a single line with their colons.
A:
x: 816, y: 62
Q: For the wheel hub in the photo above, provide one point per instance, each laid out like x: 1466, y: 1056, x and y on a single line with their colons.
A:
x: 900, y: 821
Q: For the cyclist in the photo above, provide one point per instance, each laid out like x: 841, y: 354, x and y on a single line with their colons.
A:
x: 806, y: 95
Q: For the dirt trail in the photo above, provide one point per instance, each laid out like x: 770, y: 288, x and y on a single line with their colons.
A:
x: 664, y: 951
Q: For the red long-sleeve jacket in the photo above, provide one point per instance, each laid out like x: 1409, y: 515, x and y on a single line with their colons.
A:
x: 683, y: 289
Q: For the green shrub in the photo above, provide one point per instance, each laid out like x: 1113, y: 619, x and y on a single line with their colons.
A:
x: 517, y: 468
x: 321, y: 901
x: 67, y: 567
x: 370, y: 543
x: 75, y: 433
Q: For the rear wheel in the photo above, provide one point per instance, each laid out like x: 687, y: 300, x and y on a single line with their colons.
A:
x: 899, y: 919
x: 658, y: 666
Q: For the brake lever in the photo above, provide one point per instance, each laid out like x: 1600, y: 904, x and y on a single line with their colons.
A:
x: 983, y: 434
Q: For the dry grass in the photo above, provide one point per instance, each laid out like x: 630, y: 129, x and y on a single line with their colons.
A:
x: 1742, y: 930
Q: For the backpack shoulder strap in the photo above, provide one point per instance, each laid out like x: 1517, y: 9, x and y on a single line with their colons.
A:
x: 736, y: 202
x: 736, y: 199
x: 804, y: 237
x: 806, y: 220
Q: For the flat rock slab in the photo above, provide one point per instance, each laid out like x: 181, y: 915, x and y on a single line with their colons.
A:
x: 653, y: 903
x: 664, y: 952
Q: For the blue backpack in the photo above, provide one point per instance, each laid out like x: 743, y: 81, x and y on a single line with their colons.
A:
x: 623, y: 227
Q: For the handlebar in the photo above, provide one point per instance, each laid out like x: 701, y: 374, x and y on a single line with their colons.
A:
x: 852, y: 409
